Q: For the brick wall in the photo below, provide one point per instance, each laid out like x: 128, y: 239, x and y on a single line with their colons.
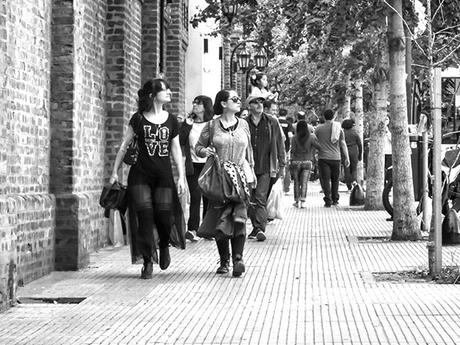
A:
x: 176, y: 47
x: 26, y: 206
x: 70, y: 71
x: 150, y: 39
x: 123, y: 72
x: 78, y: 125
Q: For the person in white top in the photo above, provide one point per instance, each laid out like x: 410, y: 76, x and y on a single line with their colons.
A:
x: 190, y: 132
x: 260, y: 88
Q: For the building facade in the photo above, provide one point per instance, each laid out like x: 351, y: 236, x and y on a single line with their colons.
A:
x: 203, y: 59
x: 70, y: 75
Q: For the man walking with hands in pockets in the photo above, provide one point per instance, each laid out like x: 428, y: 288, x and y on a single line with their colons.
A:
x: 269, y: 161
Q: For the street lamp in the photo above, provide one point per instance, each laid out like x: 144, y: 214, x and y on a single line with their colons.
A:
x: 260, y: 59
x: 244, y: 58
x: 229, y: 10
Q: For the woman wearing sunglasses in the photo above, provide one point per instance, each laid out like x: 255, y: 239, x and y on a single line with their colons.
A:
x: 231, y: 141
x: 190, y: 132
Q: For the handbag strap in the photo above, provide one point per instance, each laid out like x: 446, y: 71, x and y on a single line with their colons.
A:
x: 211, y: 132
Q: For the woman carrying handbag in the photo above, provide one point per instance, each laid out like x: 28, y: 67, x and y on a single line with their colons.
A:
x: 231, y: 141
x: 152, y: 194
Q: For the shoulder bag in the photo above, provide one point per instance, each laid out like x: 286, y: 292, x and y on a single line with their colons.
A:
x: 210, y: 180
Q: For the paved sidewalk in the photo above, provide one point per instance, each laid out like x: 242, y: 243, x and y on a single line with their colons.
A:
x: 311, y: 282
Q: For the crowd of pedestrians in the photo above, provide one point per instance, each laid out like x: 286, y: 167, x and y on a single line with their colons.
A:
x: 256, y: 143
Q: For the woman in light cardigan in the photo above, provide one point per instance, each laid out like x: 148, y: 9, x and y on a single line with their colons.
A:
x: 231, y: 141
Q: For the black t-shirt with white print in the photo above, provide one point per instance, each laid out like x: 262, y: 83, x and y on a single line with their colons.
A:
x: 154, y: 142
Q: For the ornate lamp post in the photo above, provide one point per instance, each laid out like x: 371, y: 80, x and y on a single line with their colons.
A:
x: 229, y: 10
x: 244, y: 58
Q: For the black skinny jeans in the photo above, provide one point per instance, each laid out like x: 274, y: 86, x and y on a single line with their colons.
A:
x: 152, y: 200
x: 195, y: 198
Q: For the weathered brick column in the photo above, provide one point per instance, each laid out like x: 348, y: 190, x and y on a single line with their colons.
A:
x: 26, y: 205
x: 151, y: 21
x: 176, y: 47
x: 77, y: 128
x: 123, y: 70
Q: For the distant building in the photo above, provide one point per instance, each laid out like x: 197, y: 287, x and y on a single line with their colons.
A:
x: 203, y: 63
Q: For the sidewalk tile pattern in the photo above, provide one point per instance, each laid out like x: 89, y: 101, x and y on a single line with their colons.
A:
x: 310, y: 282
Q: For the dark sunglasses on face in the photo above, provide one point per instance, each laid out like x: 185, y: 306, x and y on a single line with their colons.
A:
x: 235, y: 99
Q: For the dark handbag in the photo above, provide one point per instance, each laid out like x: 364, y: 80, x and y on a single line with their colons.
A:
x: 210, y: 180
x: 132, y: 152
x: 113, y: 196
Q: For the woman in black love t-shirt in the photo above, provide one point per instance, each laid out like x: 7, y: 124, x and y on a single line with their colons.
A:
x: 151, y: 189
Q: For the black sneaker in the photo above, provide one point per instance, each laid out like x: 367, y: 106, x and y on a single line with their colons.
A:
x: 238, y: 266
x: 224, y: 267
x: 146, y: 271
x: 261, y: 236
x: 327, y: 204
x: 253, y: 234
x: 335, y: 203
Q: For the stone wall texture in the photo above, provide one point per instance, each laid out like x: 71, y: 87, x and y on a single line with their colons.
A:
x: 70, y: 71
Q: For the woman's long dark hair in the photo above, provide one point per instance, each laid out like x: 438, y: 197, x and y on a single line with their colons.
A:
x: 148, y: 93
x: 302, y: 133
x: 207, y: 105
x: 221, y: 96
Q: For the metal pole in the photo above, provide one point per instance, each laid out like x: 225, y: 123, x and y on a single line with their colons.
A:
x: 426, y: 221
x: 435, y: 244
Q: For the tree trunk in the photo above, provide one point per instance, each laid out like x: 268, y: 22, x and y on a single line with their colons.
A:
x: 410, y: 114
x: 404, y: 219
x: 375, y: 170
x: 347, y: 105
x: 359, y: 122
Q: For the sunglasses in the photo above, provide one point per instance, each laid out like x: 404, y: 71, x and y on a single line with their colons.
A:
x: 235, y: 99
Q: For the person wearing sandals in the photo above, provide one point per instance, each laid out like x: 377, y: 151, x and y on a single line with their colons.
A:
x: 229, y: 138
x: 303, y: 145
x: 152, y: 195
x: 189, y: 134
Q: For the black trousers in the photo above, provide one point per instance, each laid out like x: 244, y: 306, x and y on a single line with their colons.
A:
x: 329, y: 171
x: 195, y: 198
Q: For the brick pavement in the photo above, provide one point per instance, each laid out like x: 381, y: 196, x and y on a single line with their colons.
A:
x: 311, y: 282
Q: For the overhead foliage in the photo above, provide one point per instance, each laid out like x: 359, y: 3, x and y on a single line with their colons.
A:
x: 315, y: 44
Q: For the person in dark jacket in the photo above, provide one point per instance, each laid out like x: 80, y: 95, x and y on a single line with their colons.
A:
x: 355, y: 151
x: 190, y: 132
x: 269, y: 161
